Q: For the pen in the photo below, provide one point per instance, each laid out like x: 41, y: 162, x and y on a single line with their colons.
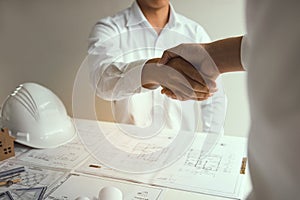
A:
x: 10, y: 182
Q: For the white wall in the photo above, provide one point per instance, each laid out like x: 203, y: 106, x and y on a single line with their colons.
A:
x: 45, y: 41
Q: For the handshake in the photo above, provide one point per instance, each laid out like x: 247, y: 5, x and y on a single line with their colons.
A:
x: 185, y: 72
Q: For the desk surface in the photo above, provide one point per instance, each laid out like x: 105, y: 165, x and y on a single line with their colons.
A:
x: 177, y: 194
x: 50, y: 166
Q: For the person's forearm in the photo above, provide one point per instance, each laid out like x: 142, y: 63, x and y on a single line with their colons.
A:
x: 226, y: 54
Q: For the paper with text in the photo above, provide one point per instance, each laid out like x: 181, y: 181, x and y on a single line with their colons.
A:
x: 216, y: 173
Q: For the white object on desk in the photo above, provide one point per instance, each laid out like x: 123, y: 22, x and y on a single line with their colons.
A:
x: 82, y: 198
x: 37, y: 117
x: 110, y: 193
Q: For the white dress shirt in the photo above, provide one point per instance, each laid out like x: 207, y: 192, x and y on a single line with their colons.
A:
x: 122, y: 44
x: 272, y: 46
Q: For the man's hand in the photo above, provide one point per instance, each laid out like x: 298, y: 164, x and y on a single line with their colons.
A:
x: 198, y: 68
x: 179, y: 79
x: 191, y: 86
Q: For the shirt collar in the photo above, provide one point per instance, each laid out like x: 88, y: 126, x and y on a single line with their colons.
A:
x: 173, y: 18
x: 136, y: 16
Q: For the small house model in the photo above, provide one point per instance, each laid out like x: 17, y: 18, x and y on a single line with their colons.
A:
x: 6, y: 144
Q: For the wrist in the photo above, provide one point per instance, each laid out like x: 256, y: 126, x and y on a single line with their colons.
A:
x: 149, y: 76
x: 213, y: 52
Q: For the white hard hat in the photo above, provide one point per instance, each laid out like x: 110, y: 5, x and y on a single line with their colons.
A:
x: 36, y: 117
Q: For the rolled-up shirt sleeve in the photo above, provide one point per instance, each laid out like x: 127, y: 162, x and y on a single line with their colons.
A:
x: 110, y: 76
x: 245, y: 51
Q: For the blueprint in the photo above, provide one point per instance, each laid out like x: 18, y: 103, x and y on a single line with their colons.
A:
x: 66, y: 156
x: 215, y: 173
x: 59, y: 171
x: 116, y: 148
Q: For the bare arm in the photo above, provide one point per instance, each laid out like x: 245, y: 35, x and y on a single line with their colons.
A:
x: 226, y: 54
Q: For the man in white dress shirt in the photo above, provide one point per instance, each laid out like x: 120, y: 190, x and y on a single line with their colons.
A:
x: 270, y: 53
x: 122, y: 45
